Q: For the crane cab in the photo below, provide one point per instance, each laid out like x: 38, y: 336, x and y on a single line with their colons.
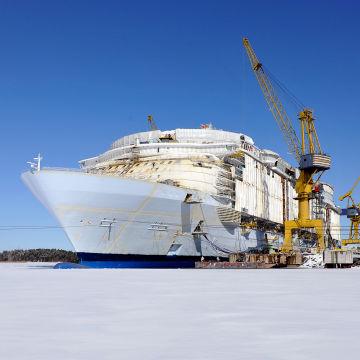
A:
x: 318, y: 162
x: 352, y: 212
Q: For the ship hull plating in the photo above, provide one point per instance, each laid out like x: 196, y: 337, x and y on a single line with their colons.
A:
x: 136, y: 261
x: 133, y: 223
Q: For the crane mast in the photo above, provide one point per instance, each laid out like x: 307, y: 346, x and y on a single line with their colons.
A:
x: 307, y: 152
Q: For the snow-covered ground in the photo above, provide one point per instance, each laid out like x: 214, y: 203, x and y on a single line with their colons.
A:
x: 178, y: 314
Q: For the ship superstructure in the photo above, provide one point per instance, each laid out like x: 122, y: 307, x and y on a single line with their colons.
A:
x: 159, y: 198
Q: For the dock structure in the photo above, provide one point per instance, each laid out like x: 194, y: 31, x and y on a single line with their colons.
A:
x: 337, y: 258
x: 254, y: 261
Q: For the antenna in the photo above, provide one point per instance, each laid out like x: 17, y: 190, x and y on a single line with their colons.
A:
x: 36, y: 166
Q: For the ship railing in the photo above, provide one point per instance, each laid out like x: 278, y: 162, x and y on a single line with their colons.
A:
x: 63, y: 169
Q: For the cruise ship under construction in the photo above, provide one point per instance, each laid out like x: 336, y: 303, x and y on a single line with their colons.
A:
x: 170, y: 198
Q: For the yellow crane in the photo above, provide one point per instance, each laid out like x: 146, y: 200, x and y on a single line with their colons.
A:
x: 152, y: 124
x: 307, y: 152
x: 353, y: 213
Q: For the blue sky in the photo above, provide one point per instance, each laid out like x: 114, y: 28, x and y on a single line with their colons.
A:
x: 75, y: 75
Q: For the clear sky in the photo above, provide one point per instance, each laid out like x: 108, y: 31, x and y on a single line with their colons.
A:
x: 75, y: 75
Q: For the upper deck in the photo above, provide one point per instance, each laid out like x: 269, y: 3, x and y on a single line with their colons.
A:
x: 175, y: 143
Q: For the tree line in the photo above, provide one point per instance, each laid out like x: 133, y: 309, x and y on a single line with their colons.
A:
x: 39, y: 255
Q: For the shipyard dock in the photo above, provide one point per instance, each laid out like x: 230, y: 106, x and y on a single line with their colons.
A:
x: 338, y: 258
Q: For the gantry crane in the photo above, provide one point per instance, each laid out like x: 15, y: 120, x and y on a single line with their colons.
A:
x: 352, y: 213
x: 307, y: 152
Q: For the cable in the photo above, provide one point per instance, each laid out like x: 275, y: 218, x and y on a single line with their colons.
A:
x: 40, y: 227
x: 298, y: 103
x: 45, y: 227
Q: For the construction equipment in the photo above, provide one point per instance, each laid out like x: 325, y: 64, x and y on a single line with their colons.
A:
x: 352, y: 213
x: 152, y: 123
x: 308, y: 153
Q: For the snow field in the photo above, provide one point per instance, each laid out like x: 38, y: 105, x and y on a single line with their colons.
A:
x: 178, y: 314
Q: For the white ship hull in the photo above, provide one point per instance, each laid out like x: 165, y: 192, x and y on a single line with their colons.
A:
x: 108, y: 215
x: 165, y: 196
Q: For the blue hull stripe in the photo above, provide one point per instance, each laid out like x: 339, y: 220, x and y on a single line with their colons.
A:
x: 136, y: 261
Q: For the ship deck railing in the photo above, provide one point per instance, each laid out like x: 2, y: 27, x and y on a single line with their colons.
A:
x: 63, y: 169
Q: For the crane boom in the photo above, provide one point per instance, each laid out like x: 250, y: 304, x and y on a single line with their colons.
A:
x: 349, y: 193
x: 274, y: 103
x: 353, y: 213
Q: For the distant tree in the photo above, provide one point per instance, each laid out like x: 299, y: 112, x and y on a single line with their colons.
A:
x: 39, y: 255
